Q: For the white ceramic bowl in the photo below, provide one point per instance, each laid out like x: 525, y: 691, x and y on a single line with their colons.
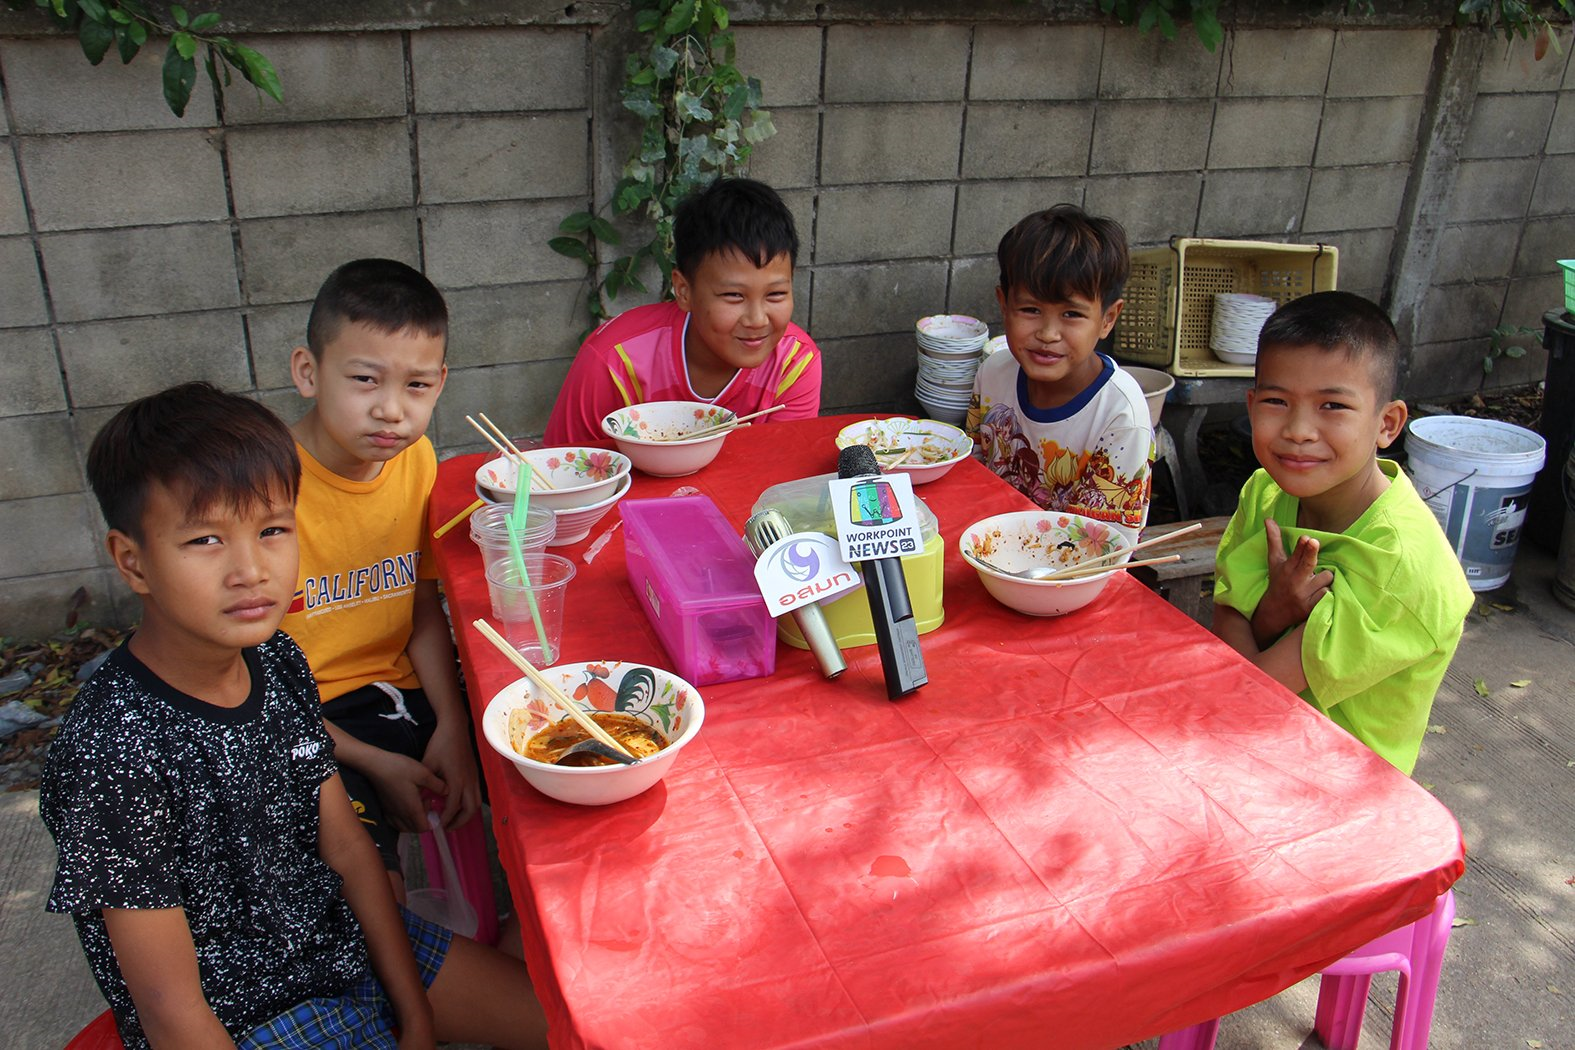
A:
x: 1155, y: 384
x: 652, y: 435
x: 1026, y: 538
x: 574, y: 525
x: 578, y: 477
x: 946, y: 445
x: 674, y: 707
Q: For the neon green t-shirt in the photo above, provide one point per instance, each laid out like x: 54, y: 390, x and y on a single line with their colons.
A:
x: 1378, y: 644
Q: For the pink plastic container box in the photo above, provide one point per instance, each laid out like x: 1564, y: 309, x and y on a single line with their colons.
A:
x: 695, y: 579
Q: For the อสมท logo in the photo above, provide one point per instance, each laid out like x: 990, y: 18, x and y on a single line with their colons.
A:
x: 800, y: 562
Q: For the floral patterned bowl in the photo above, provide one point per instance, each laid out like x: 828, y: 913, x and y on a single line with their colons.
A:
x: 576, y: 477
x: 932, y: 447
x: 658, y: 698
x: 1028, y: 538
x: 652, y: 434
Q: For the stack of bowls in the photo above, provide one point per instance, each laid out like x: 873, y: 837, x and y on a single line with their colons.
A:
x: 950, y: 349
x: 1238, y: 318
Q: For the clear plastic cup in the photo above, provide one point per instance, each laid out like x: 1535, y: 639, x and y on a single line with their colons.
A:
x: 549, y: 576
x: 490, y: 531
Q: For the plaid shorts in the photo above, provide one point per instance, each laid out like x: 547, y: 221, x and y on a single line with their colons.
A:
x: 361, y: 1015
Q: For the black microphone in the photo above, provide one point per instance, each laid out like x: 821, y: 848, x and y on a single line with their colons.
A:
x: 886, y: 586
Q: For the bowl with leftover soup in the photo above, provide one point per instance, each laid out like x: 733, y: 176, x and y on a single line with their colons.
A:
x: 653, y: 713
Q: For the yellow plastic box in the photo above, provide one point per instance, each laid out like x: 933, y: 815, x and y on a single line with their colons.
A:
x: 807, y: 507
x: 1170, y: 296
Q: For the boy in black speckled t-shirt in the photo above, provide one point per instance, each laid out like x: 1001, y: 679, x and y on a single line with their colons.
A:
x: 219, y: 880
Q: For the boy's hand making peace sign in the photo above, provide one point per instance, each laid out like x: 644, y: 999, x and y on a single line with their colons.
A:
x: 1295, y: 586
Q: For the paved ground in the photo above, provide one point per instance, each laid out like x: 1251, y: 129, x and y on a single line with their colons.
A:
x: 1504, y: 762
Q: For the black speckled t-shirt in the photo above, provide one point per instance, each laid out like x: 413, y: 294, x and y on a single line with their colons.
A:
x: 159, y: 800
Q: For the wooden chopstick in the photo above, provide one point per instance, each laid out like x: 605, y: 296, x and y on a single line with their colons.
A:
x: 512, y: 454
x: 1090, y: 562
x: 586, y: 721
x: 538, y: 479
x: 731, y: 423
x: 1078, y: 572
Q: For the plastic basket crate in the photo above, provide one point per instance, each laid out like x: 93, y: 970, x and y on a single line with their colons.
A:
x: 1170, y: 296
x: 1568, y: 266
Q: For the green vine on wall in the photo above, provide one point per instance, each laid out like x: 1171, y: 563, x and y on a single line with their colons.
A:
x: 127, y: 25
x: 701, y: 119
x: 1510, y: 18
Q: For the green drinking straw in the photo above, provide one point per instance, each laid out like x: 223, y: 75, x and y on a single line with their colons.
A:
x: 516, y: 526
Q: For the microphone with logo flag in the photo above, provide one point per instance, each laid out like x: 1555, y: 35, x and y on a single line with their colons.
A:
x: 875, y: 529
x: 800, y: 563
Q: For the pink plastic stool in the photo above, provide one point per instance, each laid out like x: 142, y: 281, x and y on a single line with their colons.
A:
x: 467, y: 846
x: 100, y: 1034
x: 1415, y: 951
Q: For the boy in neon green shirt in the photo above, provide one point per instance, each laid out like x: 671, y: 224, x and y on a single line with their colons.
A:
x: 1333, y: 576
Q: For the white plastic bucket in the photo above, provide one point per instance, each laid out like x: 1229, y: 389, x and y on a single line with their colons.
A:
x: 1475, y: 475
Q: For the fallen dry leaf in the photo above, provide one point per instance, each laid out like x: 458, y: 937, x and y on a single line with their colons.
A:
x: 1437, y: 729
x: 1426, y: 786
x: 1501, y: 607
x: 1555, y: 989
x: 1459, y: 921
x: 1481, y: 687
x: 1521, y: 684
x: 1535, y: 1044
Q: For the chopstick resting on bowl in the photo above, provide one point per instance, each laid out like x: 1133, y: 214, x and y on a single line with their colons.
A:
x: 586, y: 721
x: 730, y: 424
x: 1078, y: 572
x: 1061, y: 574
x: 512, y: 454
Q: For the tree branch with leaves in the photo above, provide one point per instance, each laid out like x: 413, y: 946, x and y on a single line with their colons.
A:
x: 127, y: 25
x: 701, y: 119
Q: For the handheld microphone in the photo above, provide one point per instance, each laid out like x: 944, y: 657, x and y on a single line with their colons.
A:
x: 886, y: 585
x: 760, y: 532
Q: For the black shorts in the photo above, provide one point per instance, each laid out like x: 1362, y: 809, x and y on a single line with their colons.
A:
x: 375, y: 717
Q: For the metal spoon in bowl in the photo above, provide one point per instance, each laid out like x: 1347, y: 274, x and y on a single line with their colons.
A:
x: 1035, y: 572
x: 590, y: 745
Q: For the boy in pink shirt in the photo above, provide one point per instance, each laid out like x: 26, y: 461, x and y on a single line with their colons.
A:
x: 726, y: 338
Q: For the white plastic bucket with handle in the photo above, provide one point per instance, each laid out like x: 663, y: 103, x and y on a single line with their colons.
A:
x: 1475, y: 475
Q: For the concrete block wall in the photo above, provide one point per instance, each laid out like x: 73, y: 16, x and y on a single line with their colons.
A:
x: 1509, y: 218
x: 138, y: 250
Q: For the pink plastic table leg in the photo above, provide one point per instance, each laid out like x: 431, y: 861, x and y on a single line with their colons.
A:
x: 1198, y: 1037
x: 1415, y: 951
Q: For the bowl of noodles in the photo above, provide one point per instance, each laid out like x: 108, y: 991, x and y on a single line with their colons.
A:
x: 1004, y: 544
x: 652, y: 712
x: 923, y: 449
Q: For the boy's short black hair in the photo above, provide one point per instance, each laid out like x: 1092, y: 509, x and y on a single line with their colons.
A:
x: 741, y: 215
x: 1340, y: 321
x: 1064, y: 251
x: 382, y: 294
x: 198, y: 441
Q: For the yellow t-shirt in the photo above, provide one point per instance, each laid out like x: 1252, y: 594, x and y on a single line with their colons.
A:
x: 364, y: 544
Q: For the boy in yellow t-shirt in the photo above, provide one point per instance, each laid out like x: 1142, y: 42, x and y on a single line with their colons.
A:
x: 367, y: 612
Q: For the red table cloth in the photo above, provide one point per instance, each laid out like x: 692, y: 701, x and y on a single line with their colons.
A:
x: 1084, y: 831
